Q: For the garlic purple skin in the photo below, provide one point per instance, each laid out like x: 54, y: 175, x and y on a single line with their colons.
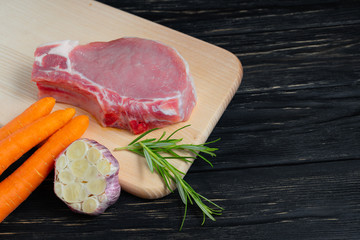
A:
x: 86, y: 177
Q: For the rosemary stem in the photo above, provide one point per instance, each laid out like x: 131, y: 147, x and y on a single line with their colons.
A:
x: 153, y: 152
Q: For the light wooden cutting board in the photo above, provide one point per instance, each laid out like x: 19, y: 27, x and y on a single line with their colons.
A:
x: 26, y: 24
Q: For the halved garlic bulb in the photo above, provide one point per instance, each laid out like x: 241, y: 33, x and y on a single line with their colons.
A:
x: 86, y: 177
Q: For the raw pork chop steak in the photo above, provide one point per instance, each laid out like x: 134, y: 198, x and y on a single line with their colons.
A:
x: 128, y: 83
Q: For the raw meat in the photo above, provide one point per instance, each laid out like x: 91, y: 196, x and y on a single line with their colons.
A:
x: 128, y: 83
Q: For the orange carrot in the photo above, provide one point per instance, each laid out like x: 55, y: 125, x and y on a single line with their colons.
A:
x: 21, y: 141
x: 37, y: 110
x: 21, y: 183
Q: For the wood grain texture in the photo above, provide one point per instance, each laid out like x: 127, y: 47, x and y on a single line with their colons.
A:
x: 217, y: 73
x: 288, y: 162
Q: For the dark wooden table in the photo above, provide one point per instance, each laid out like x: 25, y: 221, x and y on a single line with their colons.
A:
x: 289, y: 160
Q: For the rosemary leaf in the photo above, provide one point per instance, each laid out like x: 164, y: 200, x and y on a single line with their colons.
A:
x: 147, y: 157
x: 181, y: 192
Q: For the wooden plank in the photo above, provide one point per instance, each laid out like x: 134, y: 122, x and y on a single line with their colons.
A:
x: 299, y: 99
x: 217, y: 73
x: 239, y: 17
x: 307, y: 201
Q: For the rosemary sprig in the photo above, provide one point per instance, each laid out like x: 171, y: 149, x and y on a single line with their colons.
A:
x: 156, y: 153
